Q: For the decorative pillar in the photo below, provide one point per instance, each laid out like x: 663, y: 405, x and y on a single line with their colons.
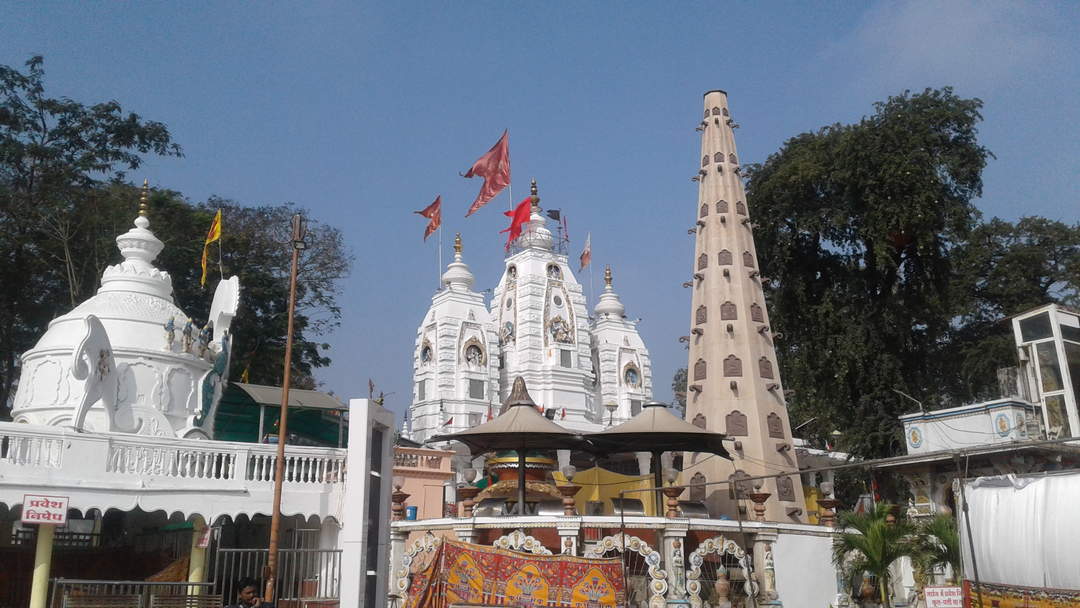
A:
x: 672, y: 493
x: 397, y: 553
x: 568, y: 491
x: 644, y: 462
x: 764, y: 566
x: 197, y: 561
x: 397, y: 504
x: 39, y: 588
x: 673, y: 543
x: 569, y: 531
x: 759, y: 498
x: 467, y: 494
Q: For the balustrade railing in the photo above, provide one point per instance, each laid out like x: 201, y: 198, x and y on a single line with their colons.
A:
x: 419, y: 459
x: 137, y: 456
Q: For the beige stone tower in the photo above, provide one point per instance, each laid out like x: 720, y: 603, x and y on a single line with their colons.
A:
x: 733, y: 383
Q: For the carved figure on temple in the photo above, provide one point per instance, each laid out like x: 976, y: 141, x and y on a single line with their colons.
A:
x: 189, y: 337
x: 205, y: 337
x: 560, y: 330
x: 170, y: 333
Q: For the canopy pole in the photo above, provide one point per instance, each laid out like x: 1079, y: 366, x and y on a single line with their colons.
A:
x: 658, y: 482
x: 521, y: 482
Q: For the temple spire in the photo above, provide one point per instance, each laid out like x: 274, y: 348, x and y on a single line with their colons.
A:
x: 144, y: 199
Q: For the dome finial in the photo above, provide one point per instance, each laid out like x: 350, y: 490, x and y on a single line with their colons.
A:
x: 144, y: 199
x: 533, y: 196
x: 457, y: 243
x: 607, y: 275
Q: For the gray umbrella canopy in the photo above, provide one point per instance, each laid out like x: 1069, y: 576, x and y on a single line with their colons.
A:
x: 518, y: 427
x: 656, y: 429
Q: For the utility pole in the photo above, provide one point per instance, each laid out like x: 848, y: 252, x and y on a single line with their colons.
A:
x: 298, y: 245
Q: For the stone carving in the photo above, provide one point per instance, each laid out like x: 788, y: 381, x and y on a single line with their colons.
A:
x: 170, y: 333
x: 731, y: 159
x: 699, y: 421
x: 205, y: 336
x: 756, y: 313
x: 697, y: 491
x: 213, y: 384
x: 720, y: 546
x: 765, y: 368
x: 474, y: 353
x: 701, y: 315
x: 738, y: 488
x: 785, y: 489
x: 704, y: 160
x: 748, y: 259
x: 723, y: 258
x: 721, y: 206
x: 700, y: 368
x: 704, y: 210
x: 718, y: 157
x: 92, y: 362
x: 715, y: 111
x: 775, y: 426
x: 553, y: 272
x: 735, y: 424
x: 189, y: 335
x: 740, y: 208
x: 732, y: 367
x: 728, y: 311
x: 519, y: 541
x: 623, y: 542
x: 702, y: 261
x: 560, y: 330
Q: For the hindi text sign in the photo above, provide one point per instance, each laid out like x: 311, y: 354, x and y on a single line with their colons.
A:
x: 944, y: 597
x: 39, y: 509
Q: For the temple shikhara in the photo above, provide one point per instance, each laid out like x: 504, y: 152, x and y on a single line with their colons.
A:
x: 534, y: 466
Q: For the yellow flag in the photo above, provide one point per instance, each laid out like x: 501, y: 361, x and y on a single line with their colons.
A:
x: 246, y: 376
x: 213, y: 235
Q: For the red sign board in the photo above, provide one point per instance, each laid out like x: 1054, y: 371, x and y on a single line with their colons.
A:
x: 37, y: 509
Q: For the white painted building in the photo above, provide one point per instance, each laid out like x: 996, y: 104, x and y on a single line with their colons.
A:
x: 114, y: 412
x: 538, y: 327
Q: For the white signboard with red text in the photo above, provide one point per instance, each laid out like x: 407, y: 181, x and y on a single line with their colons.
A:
x: 38, y: 509
x: 944, y: 597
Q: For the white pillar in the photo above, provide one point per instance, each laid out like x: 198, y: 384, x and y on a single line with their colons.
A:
x: 644, y: 464
x: 673, y: 552
x: 764, y: 567
x: 398, y: 537
x: 569, y: 531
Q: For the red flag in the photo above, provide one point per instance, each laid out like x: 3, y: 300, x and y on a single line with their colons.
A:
x: 489, y: 416
x: 494, y: 167
x: 449, y: 420
x: 434, y: 213
x: 564, y: 413
x: 519, y: 215
x: 586, y: 253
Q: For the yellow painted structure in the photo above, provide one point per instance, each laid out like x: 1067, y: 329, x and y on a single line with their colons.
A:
x: 39, y: 590
x: 598, y: 484
x: 197, y: 561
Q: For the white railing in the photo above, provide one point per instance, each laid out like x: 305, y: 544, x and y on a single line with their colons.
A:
x: 27, y: 448
x: 19, y: 448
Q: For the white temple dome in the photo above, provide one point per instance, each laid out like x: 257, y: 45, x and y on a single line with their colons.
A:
x: 536, y: 233
x: 457, y: 276
x: 609, y: 303
x: 158, y: 383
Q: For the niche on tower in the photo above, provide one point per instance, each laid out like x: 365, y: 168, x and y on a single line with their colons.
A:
x: 558, y: 314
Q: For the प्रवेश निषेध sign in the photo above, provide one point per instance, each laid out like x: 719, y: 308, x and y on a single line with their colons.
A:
x: 37, y: 509
x: 944, y: 597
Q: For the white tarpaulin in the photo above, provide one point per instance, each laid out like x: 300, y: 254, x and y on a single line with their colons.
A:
x: 1026, y: 530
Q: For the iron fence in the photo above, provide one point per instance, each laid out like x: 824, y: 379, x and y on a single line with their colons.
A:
x: 302, y: 573
x: 144, y: 591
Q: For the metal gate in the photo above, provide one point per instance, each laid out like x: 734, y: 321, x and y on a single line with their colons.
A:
x: 303, y: 574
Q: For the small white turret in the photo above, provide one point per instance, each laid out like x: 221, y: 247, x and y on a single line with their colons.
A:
x: 536, y: 235
x: 609, y: 303
x: 457, y: 276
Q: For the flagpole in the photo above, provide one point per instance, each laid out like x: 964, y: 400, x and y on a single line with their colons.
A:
x: 220, y: 264
x: 438, y: 270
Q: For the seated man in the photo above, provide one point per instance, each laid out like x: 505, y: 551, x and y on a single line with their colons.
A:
x: 248, y: 595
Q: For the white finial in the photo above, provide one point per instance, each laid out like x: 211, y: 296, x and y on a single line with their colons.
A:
x: 609, y: 303
x: 457, y: 276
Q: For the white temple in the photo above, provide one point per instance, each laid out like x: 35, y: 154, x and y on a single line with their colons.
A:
x: 593, y: 370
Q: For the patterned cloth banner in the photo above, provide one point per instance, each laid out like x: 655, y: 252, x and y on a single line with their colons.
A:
x: 463, y: 574
x: 1014, y: 596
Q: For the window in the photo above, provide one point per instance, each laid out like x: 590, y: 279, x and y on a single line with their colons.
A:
x: 421, y: 390
x: 635, y: 407
x: 474, y: 419
x: 1036, y: 328
x: 476, y: 389
x: 1058, y: 418
x: 565, y: 359
x: 1049, y: 368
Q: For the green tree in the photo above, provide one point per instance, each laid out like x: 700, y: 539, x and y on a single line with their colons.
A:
x: 935, y: 545
x: 856, y: 225
x: 871, y: 543
x: 678, y: 389
x: 54, y: 155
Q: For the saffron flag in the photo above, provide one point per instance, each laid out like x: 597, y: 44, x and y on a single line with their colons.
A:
x: 518, y: 216
x: 494, y: 167
x: 586, y: 253
x: 489, y: 414
x: 449, y: 421
x: 214, y: 234
x: 434, y: 214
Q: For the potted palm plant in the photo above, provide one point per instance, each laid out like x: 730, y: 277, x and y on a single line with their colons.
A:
x: 870, y: 543
x: 936, y: 544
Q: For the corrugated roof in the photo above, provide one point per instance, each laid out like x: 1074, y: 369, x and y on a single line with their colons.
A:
x: 271, y: 395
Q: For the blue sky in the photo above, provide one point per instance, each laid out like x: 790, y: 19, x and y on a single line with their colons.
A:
x: 362, y: 113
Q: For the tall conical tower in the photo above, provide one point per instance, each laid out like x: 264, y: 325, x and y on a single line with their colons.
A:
x: 733, y: 383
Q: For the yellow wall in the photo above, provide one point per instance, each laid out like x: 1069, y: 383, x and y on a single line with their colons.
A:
x: 603, y: 485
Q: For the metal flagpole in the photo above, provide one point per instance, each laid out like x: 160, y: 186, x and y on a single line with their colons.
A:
x: 279, y: 468
x: 438, y: 269
x: 220, y: 245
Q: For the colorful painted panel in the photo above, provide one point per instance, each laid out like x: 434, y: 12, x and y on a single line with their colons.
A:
x: 467, y: 574
x: 1009, y: 596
